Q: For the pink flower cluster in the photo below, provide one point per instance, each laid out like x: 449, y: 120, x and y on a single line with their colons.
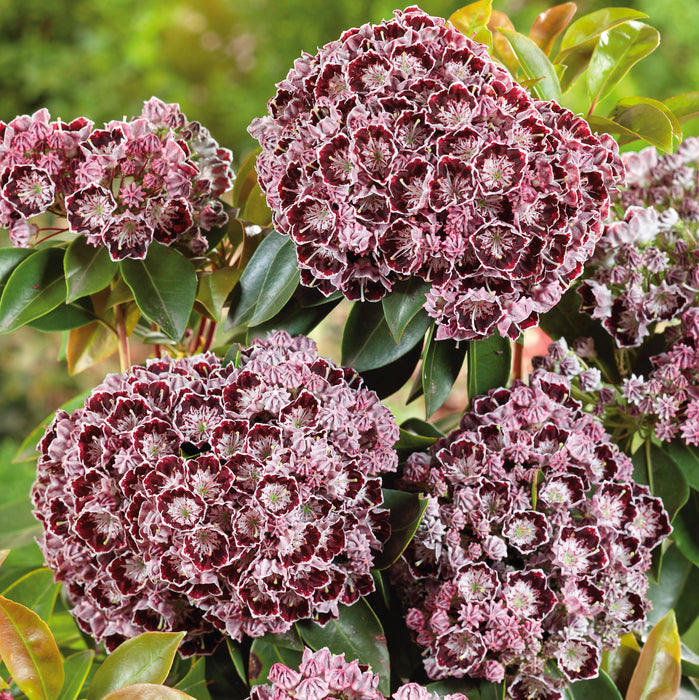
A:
x: 532, y: 554
x: 324, y: 676
x: 402, y: 149
x: 157, y: 177
x: 186, y: 495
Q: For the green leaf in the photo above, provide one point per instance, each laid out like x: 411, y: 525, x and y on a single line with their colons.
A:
x: 143, y: 659
x: 146, y: 691
x: 658, y: 674
x: 404, y: 301
x: 356, y: 633
x: 35, y: 287
x: 664, y: 477
x: 685, y: 531
x: 214, y: 288
x: 648, y: 119
x: 390, y: 378
x: 489, y: 361
x: 441, y: 364
x: 9, y: 259
x: 685, y: 107
x: 367, y: 342
x: 406, y: 511
x: 236, y: 654
x: 255, y: 209
x: 686, y: 457
x: 194, y: 683
x: 472, y: 20
x: 676, y: 590
x: 590, y: 26
x: 269, y: 650
x: 29, y: 651
x: 600, y: 688
x: 453, y: 685
x: 416, y: 426
x: 536, y: 65
x: 164, y: 286
x: 413, y: 441
x: 550, y: 23
x: 603, y: 125
x: 17, y: 524
x: 36, y: 591
x: 88, y: 269
x: 76, y: 668
x: 267, y: 283
x: 64, y: 317
x: 617, y: 51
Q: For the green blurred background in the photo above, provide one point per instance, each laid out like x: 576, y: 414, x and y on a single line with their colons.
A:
x: 220, y: 59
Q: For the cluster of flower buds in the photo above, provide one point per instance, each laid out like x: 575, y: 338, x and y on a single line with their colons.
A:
x: 532, y: 554
x: 402, y: 149
x: 187, y: 495
x: 324, y: 676
x: 157, y: 177
x: 645, y: 269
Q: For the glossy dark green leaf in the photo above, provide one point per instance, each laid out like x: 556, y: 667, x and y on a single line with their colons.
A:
x: 441, y: 364
x: 492, y: 691
x: 17, y: 524
x: 294, y: 318
x: 472, y: 20
x: 536, y: 65
x: 9, y: 259
x: 489, y: 363
x: 590, y: 26
x: 390, y: 378
x: 143, y: 659
x: 413, y: 441
x: 356, y: 633
x: 686, y: 530
x: 658, y: 673
x: 453, y: 685
x: 406, y: 511
x: 664, y: 477
x: 271, y: 649
x: 64, y: 317
x: 88, y: 269
x: 676, y: 590
x: 617, y: 51
x: 267, y: 283
x: 600, y: 688
x: 36, y: 591
x: 686, y: 457
x: 648, y: 119
x: 29, y: 651
x: 685, y: 107
x: 76, y: 668
x: 404, y: 301
x: 236, y: 654
x: 550, y: 23
x: 164, y: 286
x: 214, y: 288
x: 35, y: 287
x: 367, y: 342
x: 417, y: 426
x: 194, y: 683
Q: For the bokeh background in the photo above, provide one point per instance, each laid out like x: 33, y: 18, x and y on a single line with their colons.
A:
x: 220, y: 59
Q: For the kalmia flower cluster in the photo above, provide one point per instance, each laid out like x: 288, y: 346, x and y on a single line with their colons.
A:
x: 403, y: 150
x: 534, y: 547
x: 645, y: 269
x: 666, y: 402
x: 187, y: 495
x: 157, y: 177
x: 324, y: 676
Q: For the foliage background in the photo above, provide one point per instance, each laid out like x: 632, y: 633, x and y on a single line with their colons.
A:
x: 220, y: 60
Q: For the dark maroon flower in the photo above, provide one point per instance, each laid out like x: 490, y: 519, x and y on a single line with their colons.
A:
x: 402, y: 149
x: 531, y: 555
x: 217, y: 500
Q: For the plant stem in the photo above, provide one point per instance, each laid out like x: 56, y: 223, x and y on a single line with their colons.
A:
x: 209, y: 336
x: 517, y: 359
x: 194, y: 345
x: 124, y: 350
